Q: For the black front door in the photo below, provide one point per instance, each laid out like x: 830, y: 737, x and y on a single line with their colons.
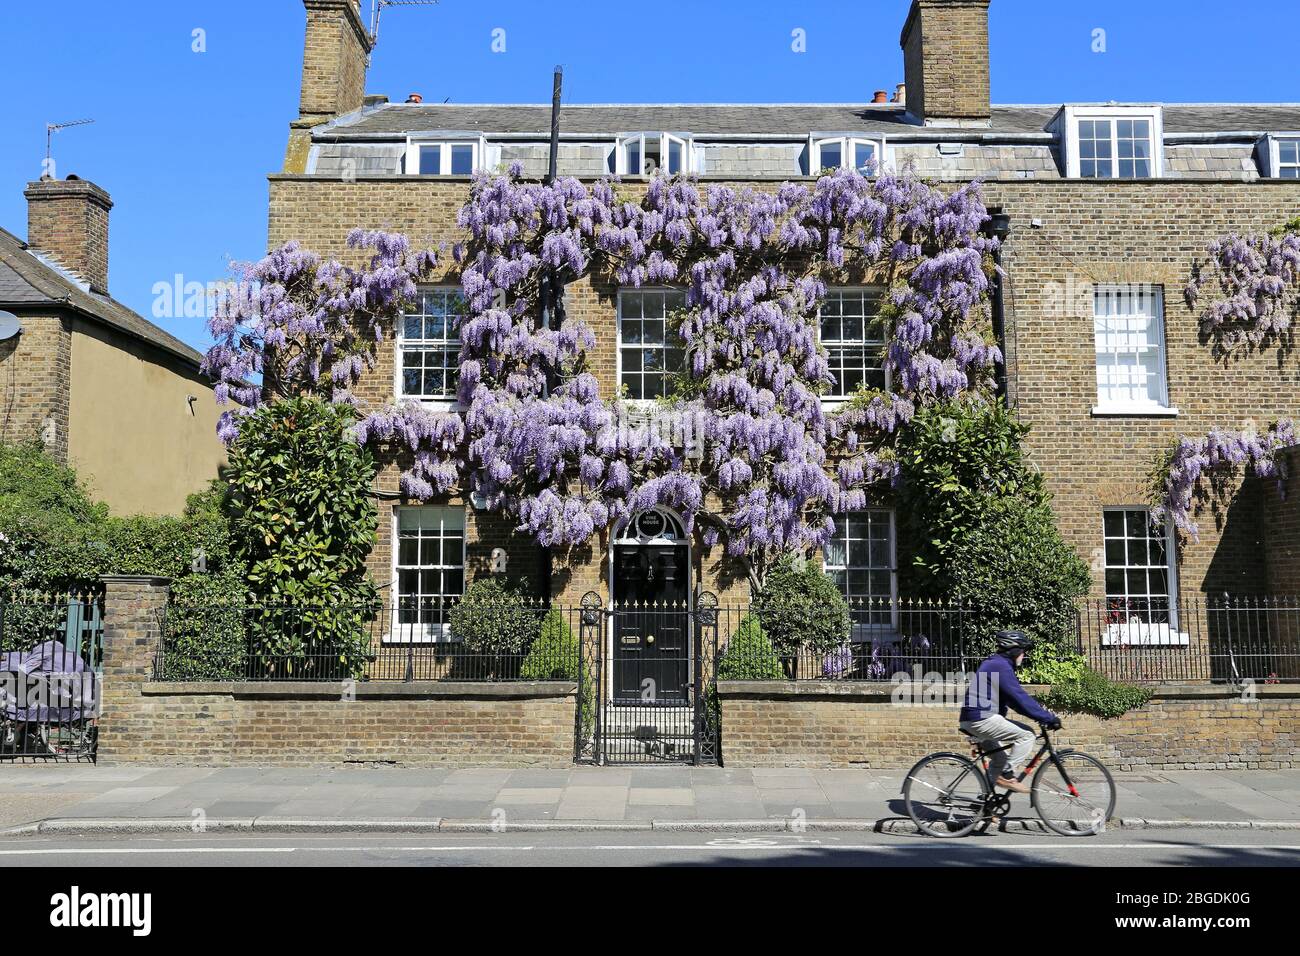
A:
x: 652, y: 654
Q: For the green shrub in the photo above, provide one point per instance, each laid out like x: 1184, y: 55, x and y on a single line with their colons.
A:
x: 799, y: 606
x: 976, y: 516
x: 749, y: 654
x: 495, y: 617
x: 1015, y: 571
x: 1094, y: 693
x: 957, y: 460
x: 205, y: 636
x: 1046, y: 667
x: 556, y: 654
x: 303, y: 521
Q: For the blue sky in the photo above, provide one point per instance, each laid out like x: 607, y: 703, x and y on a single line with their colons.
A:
x: 183, y: 141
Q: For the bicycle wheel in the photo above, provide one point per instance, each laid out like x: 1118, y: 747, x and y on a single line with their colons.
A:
x: 1080, y: 806
x: 945, y: 795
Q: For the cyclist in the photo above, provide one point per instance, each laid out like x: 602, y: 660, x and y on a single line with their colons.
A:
x: 984, y: 716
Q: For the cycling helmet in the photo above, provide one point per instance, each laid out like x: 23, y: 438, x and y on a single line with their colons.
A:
x: 1009, y: 642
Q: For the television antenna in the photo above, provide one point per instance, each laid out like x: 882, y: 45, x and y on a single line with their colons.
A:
x: 377, y: 7
x: 51, y: 129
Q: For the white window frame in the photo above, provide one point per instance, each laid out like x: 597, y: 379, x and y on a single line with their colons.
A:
x: 618, y: 334
x: 867, y: 632
x: 1161, y: 406
x: 1271, y: 155
x: 436, y: 633
x: 879, y: 292
x: 847, y: 142
x: 691, y: 157
x: 1135, y: 632
x: 1072, y: 116
x: 399, y: 348
x: 480, y: 157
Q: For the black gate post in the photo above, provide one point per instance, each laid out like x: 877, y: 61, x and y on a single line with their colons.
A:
x: 706, y: 629
x: 590, y: 628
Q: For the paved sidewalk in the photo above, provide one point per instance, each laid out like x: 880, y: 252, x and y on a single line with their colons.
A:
x: 420, y: 798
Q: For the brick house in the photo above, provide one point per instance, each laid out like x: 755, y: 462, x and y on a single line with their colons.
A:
x: 105, y: 390
x: 1107, y: 206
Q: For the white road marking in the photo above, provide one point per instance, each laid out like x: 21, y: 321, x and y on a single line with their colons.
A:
x: 615, y: 847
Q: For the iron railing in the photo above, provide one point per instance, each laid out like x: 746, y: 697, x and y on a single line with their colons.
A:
x: 1192, y: 639
x: 50, y: 658
x: 428, y: 640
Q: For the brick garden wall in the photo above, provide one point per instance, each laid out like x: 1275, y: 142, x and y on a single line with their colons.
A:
x: 291, y: 724
x: 416, y: 725
x: 837, y: 725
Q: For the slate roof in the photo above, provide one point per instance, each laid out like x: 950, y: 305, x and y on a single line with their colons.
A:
x: 762, y: 119
x: 27, y: 281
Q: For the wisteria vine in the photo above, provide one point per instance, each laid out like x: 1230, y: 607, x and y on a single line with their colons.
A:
x: 1181, y: 476
x: 765, y: 466
x: 1257, y: 278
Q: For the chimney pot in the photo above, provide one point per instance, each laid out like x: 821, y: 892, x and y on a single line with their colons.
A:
x: 900, y: 94
x: 881, y: 96
x: 68, y: 221
x: 415, y: 98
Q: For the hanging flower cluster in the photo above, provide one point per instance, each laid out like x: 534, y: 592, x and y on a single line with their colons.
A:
x: 770, y: 466
x: 1219, y: 457
x: 1258, y: 280
x: 750, y: 453
x: 295, y: 325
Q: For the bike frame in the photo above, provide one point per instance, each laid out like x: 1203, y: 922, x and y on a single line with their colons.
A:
x: 1047, y: 748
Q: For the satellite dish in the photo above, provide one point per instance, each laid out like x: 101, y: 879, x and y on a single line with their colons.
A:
x: 9, y: 326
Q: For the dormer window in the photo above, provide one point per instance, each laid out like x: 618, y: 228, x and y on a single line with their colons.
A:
x: 1288, y: 159
x: 449, y: 157
x: 1280, y: 155
x: 645, y: 154
x: 1114, y: 142
x: 843, y: 152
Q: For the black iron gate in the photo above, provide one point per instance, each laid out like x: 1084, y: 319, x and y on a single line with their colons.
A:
x: 649, y: 672
x: 50, y: 664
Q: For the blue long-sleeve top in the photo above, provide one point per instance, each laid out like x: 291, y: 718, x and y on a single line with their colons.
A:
x: 994, y: 688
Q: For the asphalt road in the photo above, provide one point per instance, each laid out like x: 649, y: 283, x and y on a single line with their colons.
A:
x: 1226, y: 848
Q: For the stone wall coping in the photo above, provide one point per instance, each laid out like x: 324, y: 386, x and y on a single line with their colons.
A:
x: 363, y: 690
x: 861, y: 690
x: 146, y: 579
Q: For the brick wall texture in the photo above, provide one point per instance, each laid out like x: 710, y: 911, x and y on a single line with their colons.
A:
x: 1221, y: 732
x: 35, y: 384
x: 223, y: 729
x: 1139, y: 232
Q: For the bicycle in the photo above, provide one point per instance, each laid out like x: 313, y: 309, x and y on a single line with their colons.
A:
x: 1073, y: 793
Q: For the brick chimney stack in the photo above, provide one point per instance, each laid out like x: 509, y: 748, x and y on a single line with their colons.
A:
x: 333, y: 60
x: 336, y: 52
x: 67, y: 220
x: 946, y: 62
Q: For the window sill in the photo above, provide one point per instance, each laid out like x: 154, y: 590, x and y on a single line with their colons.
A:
x: 1139, y: 634
x: 434, y: 404
x: 1133, y: 411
